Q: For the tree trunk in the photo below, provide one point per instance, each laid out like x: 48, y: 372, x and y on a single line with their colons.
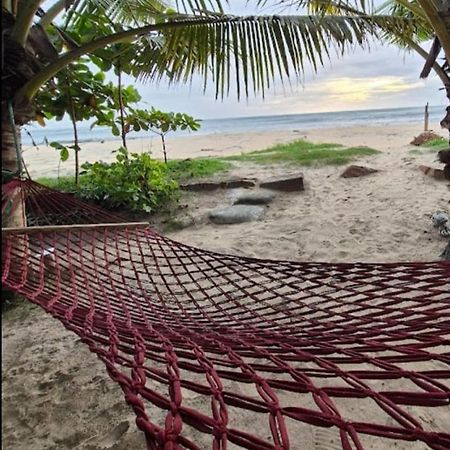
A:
x: 164, y: 148
x: 9, y: 154
x: 76, y: 147
x: 121, y: 108
x: 10, y: 163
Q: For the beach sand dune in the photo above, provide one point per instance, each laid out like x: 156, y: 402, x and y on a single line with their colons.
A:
x: 56, y: 395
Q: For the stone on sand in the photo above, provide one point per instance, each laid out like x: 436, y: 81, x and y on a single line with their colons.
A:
x: 357, y: 171
x: 286, y: 184
x: 236, y: 214
x: 259, y: 197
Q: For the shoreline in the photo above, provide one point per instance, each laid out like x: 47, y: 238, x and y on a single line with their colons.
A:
x: 44, y: 161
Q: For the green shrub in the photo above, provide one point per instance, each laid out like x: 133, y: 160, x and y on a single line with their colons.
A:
x: 134, y: 181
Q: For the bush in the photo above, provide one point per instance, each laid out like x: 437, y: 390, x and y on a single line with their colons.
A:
x: 135, y: 181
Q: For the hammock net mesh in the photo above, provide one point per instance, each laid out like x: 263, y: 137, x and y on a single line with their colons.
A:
x: 299, y: 349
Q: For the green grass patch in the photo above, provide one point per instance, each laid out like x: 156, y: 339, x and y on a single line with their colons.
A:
x: 436, y: 144
x: 187, y: 169
x: 430, y: 147
x: 64, y: 184
x: 304, y: 153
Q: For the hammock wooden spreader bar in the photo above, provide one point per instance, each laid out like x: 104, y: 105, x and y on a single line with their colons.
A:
x: 75, y: 227
x: 213, y: 349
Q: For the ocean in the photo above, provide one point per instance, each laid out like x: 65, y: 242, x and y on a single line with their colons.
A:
x: 61, y: 132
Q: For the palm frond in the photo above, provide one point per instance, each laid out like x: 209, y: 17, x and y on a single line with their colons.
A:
x: 137, y: 12
x: 255, y: 48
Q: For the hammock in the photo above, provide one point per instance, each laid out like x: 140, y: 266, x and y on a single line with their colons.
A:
x: 293, y: 346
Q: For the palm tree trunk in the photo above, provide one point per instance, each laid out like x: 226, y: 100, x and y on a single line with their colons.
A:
x: 17, y: 218
x: 9, y: 153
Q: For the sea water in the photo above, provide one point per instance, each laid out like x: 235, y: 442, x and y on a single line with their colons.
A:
x: 62, y: 131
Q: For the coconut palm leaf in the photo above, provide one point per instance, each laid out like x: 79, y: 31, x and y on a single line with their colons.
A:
x: 254, y: 48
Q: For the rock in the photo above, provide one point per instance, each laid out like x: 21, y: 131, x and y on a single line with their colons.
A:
x: 179, y: 222
x: 239, y: 183
x: 207, y: 186
x: 289, y: 184
x: 438, y: 174
x: 425, y: 137
x: 357, y: 171
x: 260, y: 197
x: 236, y: 214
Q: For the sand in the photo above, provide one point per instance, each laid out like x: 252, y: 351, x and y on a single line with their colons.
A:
x: 56, y: 395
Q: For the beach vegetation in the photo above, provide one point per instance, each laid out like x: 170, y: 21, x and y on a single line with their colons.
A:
x: 134, y: 181
x: 81, y: 94
x: 436, y: 144
x: 305, y: 153
x: 184, y: 170
x: 64, y: 183
x: 161, y: 123
x: 178, y: 170
x: 431, y: 146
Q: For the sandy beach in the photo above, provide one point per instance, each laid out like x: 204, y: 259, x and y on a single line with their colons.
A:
x: 43, y: 161
x: 57, y: 395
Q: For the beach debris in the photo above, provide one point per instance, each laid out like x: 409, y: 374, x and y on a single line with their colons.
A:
x: 441, y: 221
x: 286, y: 184
x: 357, y: 171
x: 236, y: 214
x: 259, y: 197
x: 214, y: 185
x: 437, y: 174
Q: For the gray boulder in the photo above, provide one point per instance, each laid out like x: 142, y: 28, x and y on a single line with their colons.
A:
x: 260, y: 197
x: 236, y: 214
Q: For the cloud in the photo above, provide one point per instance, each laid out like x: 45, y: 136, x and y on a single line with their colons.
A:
x: 359, y: 90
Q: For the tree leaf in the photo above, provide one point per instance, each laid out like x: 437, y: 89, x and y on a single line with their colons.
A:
x: 64, y: 154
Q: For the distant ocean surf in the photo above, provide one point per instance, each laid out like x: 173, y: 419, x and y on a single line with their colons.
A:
x: 60, y: 132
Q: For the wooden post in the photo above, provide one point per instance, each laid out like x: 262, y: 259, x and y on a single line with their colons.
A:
x: 427, y: 116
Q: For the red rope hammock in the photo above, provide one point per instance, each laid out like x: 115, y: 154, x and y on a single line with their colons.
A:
x: 287, y: 342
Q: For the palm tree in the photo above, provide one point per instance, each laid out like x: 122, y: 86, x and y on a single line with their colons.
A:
x: 197, y: 38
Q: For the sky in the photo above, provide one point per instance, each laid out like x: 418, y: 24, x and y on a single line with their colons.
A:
x: 384, y: 77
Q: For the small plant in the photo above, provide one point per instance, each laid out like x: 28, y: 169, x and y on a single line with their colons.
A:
x: 161, y: 123
x: 134, y: 181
